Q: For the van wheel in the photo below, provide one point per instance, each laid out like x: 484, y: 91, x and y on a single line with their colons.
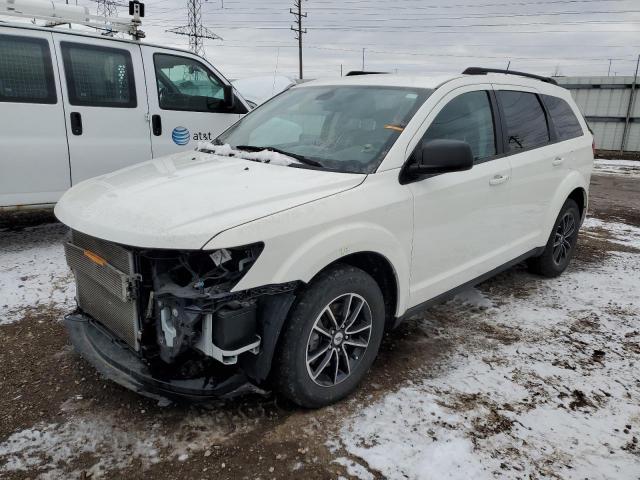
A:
x: 331, y: 337
x: 561, y: 245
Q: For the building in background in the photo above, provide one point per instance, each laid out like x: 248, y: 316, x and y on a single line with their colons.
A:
x: 611, y: 108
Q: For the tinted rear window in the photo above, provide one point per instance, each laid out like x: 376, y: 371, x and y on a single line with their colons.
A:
x: 525, y: 120
x: 26, y: 73
x: 563, y: 118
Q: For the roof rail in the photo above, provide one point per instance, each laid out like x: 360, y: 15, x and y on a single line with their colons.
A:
x: 354, y: 73
x: 484, y: 71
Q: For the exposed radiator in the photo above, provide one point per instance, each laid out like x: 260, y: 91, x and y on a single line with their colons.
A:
x: 106, y: 284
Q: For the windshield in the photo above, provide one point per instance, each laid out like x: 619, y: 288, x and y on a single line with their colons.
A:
x: 344, y: 128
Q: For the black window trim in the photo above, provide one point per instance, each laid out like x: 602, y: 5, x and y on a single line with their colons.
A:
x: 551, y: 122
x: 73, y: 100
x: 52, y: 97
x: 238, y: 108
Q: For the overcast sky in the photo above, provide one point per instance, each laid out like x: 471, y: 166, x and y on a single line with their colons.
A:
x: 572, y: 37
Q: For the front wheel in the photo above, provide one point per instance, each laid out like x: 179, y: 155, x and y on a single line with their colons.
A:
x: 561, y: 244
x: 331, y: 338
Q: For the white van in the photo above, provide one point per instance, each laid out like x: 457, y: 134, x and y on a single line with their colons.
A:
x: 74, y: 105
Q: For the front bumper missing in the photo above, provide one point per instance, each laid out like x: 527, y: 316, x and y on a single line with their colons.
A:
x: 119, y: 364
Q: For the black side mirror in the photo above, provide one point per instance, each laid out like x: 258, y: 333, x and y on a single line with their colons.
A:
x: 229, y: 97
x: 441, y: 156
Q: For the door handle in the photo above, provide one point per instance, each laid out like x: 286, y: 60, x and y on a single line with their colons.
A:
x: 76, y: 123
x: 557, y: 161
x: 498, y: 179
x: 156, y: 125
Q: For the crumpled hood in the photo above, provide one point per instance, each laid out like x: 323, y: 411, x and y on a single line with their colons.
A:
x: 182, y: 201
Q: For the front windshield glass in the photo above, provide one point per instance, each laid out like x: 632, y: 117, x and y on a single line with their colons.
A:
x: 344, y: 128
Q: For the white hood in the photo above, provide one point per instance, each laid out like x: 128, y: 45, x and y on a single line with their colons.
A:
x: 183, y: 200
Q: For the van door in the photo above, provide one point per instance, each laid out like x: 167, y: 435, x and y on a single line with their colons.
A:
x: 105, y: 104
x: 34, y: 159
x: 186, y: 100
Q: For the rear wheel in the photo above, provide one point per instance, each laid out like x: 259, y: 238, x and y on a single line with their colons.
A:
x: 561, y: 244
x: 331, y: 338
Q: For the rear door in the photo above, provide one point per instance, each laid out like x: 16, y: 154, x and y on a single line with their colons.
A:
x: 186, y: 100
x: 34, y: 160
x: 105, y: 100
x: 538, y: 163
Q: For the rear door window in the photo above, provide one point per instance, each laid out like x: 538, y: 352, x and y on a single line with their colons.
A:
x: 98, y: 76
x: 564, y: 120
x: 26, y: 72
x: 525, y: 120
x: 469, y: 118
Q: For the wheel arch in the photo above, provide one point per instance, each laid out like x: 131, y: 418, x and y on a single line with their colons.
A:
x: 575, y: 187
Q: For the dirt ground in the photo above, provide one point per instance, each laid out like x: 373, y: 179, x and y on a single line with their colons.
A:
x: 62, y: 419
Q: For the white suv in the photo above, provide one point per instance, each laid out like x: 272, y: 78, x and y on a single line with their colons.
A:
x: 281, y: 252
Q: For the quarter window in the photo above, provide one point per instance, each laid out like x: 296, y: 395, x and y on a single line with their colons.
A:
x: 467, y: 117
x: 526, y: 123
x: 98, y: 76
x: 186, y: 84
x: 565, y: 122
x: 26, y: 72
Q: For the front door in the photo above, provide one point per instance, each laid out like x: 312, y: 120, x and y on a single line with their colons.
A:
x: 461, y: 219
x: 105, y: 104
x: 186, y: 101
x: 34, y: 160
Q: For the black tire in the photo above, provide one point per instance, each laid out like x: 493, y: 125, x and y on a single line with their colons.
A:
x: 552, y: 262
x: 300, y: 340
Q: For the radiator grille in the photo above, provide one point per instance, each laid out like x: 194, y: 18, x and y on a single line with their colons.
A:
x: 105, y: 291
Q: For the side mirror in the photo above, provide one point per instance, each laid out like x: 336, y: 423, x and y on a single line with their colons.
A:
x: 441, y: 156
x: 229, y: 97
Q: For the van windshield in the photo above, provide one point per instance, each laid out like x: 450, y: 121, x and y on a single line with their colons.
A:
x: 343, y: 128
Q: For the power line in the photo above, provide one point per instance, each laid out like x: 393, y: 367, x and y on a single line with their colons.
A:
x: 298, y: 16
x: 194, y: 29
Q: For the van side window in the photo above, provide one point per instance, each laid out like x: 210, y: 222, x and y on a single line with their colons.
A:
x: 98, y: 76
x: 564, y: 120
x: 187, y: 85
x: 26, y: 72
x: 469, y: 118
x: 526, y: 123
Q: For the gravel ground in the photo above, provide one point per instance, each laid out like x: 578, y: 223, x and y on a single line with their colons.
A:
x: 517, y: 378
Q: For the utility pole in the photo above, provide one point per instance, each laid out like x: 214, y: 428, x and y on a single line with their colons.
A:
x: 609, y: 71
x: 296, y: 11
x: 106, y: 9
x: 194, y: 28
x: 632, y: 98
x: 363, y: 59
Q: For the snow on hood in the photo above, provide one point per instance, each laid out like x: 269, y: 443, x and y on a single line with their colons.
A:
x: 264, y: 156
x: 182, y: 201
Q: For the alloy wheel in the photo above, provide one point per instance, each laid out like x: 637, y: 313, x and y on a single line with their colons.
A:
x: 563, y: 238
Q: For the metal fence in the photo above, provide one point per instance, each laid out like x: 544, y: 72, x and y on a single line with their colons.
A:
x: 609, y: 104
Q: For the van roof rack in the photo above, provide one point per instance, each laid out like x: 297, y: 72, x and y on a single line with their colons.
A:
x: 484, y: 71
x: 55, y: 14
x: 354, y: 73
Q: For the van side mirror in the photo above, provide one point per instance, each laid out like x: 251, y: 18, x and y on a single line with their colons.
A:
x: 441, y: 156
x: 229, y: 97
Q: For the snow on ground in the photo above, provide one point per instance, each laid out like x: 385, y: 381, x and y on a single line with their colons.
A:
x: 557, y: 395
x: 627, y: 168
x: 33, y: 271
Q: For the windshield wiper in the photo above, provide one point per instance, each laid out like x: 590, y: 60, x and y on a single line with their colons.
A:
x: 300, y: 158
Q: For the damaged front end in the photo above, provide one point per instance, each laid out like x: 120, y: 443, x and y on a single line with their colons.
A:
x: 166, y: 322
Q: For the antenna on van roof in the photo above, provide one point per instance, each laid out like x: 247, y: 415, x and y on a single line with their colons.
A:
x: 59, y: 13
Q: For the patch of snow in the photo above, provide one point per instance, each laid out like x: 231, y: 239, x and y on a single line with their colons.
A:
x: 354, y: 469
x: 34, y: 272
x: 616, y: 232
x: 627, y: 168
x: 556, y: 400
x: 264, y: 156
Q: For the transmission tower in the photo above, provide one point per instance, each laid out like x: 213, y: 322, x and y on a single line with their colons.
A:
x: 296, y: 11
x: 194, y: 28
x: 106, y: 9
